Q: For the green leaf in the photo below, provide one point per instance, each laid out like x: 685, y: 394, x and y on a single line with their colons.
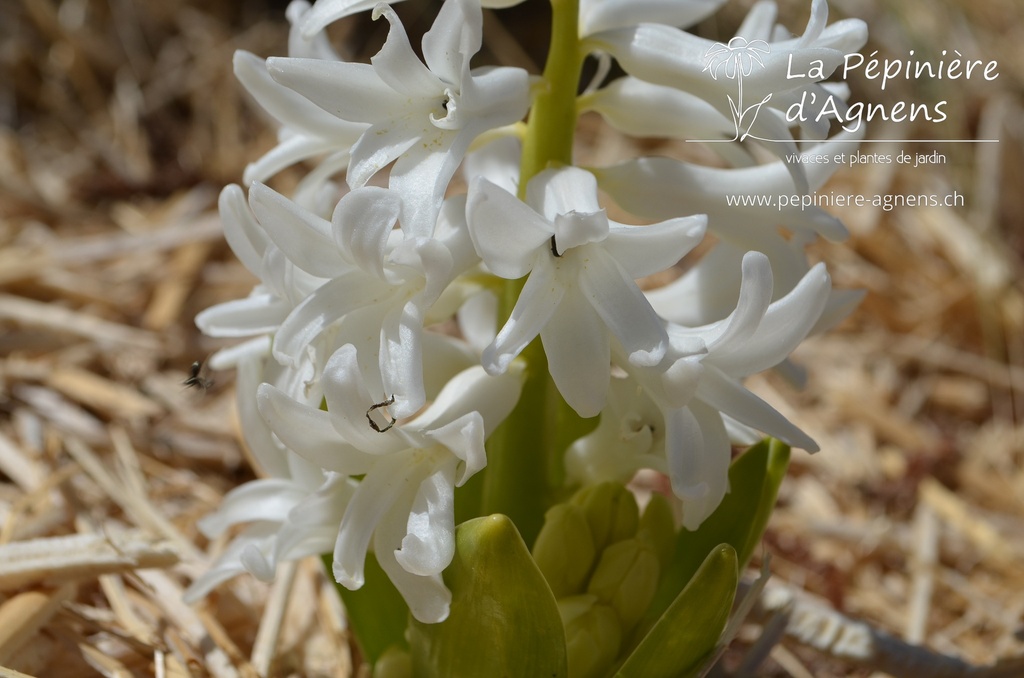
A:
x: 377, y: 613
x: 739, y: 521
x: 689, y: 629
x: 503, y: 620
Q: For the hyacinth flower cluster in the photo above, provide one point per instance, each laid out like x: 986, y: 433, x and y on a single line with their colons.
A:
x: 447, y: 391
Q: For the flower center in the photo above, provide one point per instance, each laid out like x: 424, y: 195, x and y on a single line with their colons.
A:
x: 446, y: 115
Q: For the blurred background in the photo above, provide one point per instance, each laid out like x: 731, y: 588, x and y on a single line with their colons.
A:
x: 120, y: 120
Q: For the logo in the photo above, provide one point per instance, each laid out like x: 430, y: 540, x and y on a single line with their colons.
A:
x: 738, y: 59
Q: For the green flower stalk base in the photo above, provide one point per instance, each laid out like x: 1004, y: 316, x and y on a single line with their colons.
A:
x: 607, y: 591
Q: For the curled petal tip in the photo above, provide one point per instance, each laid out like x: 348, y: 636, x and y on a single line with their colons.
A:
x: 648, y: 357
x: 349, y: 580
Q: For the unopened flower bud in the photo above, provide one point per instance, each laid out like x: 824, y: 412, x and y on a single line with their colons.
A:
x: 564, y: 550
x: 394, y: 663
x: 658, y: 529
x: 611, y: 512
x: 626, y: 578
x: 593, y: 635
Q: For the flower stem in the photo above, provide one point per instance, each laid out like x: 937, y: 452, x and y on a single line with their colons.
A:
x: 549, y: 132
x: 524, y: 455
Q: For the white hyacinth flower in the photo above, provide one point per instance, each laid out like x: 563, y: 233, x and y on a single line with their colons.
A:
x: 665, y: 55
x: 581, y: 288
x: 404, y: 502
x: 306, y: 130
x: 758, y: 335
x: 380, y: 282
x: 425, y: 116
x: 281, y: 288
x: 292, y: 511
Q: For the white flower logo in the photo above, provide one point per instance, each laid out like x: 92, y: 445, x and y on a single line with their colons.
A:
x: 738, y: 57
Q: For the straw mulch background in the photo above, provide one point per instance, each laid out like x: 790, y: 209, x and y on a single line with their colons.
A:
x: 119, y: 122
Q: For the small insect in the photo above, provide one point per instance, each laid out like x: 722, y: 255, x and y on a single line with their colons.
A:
x: 377, y: 406
x: 197, y: 377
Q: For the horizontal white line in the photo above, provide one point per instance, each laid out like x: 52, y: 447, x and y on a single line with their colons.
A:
x: 855, y: 141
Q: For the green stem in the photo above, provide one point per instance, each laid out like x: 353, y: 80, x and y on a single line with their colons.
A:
x: 524, y: 455
x: 549, y: 131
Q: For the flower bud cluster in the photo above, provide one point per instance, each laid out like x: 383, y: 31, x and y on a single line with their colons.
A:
x: 603, y: 561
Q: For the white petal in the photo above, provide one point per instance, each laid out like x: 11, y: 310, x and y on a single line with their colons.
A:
x: 422, y: 174
x: 259, y: 314
x: 315, y: 46
x: 663, y: 188
x: 684, y: 448
x: 362, y: 223
x: 473, y: 390
x: 325, y: 12
x: 713, y: 469
x: 758, y: 23
x: 578, y: 228
x: 293, y: 544
x: 381, y: 144
x: 755, y: 295
x: 258, y: 562
x: 304, y: 237
x: 260, y: 535
x: 270, y: 457
x: 784, y: 326
x: 563, y: 190
x: 736, y: 331
x: 705, y: 293
x: 464, y: 438
x: 312, y: 525
x: 398, y: 65
x: 326, y: 505
x: 452, y: 231
x: 293, y: 149
x: 578, y: 352
x: 429, y: 544
x: 401, y: 359
x: 264, y: 499
x: 320, y: 310
x: 497, y: 161
x: 352, y: 92
x: 285, y: 105
x: 453, y: 39
x: 505, y: 231
x: 623, y: 307
x: 348, y: 399
x: 494, y: 97
x: 428, y: 599
x: 537, y: 302
x: 382, y: 488
x: 644, y: 250
x: 310, y: 433
x: 642, y: 109
x: 668, y: 56
x: 478, y: 319
x: 445, y: 356
x: 730, y: 397
x: 245, y: 236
